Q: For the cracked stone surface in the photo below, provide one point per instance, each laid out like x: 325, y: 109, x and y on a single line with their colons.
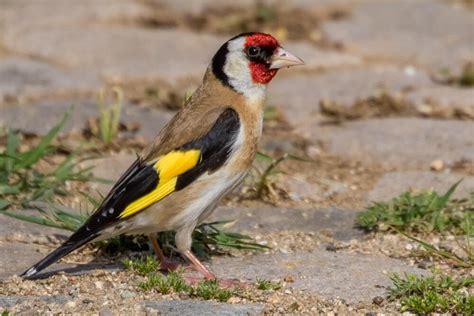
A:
x: 350, y: 276
x: 192, y: 307
x: 401, y: 141
x: 405, y: 35
x: 339, y: 223
x: 24, y: 78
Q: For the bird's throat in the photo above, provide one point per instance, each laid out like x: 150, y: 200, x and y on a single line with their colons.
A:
x: 260, y: 73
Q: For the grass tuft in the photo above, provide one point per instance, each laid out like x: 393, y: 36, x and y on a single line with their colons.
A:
x: 427, y: 212
x: 423, y: 212
x: 174, y: 282
x: 264, y: 284
x: 466, y: 79
x: 210, y: 289
x: 142, y: 267
x: 109, y: 116
x: 433, y: 294
x: 463, y: 79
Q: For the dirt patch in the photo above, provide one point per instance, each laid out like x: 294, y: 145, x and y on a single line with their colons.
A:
x: 465, y: 78
x: 285, y: 22
x: 467, y: 3
x: 463, y: 166
x: 390, y: 105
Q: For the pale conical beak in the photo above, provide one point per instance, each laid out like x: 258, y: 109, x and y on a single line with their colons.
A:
x: 282, y: 58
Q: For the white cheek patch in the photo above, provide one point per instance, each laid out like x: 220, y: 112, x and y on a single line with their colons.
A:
x: 237, y: 70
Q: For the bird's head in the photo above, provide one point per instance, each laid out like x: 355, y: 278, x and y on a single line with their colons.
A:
x: 249, y: 61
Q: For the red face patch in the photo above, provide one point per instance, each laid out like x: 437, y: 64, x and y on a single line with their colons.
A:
x: 261, y: 39
x: 259, y: 71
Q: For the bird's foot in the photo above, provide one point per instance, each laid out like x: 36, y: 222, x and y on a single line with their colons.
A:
x: 169, y: 265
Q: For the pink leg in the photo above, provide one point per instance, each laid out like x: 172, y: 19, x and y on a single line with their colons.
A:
x: 199, y: 266
x: 165, y: 263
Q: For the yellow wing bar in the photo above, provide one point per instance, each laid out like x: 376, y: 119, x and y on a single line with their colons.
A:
x: 168, y: 167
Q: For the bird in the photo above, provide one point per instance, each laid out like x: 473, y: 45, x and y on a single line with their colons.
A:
x: 198, y: 157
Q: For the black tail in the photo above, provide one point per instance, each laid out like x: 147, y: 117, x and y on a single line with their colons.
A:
x: 69, y: 246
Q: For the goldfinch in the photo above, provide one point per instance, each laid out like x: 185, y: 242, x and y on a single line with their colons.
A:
x: 198, y: 157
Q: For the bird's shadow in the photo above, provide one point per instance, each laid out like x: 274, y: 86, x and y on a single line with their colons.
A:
x: 78, y: 270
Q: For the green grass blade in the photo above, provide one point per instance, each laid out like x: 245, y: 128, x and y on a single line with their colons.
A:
x: 64, y: 169
x: 33, y: 219
x: 8, y: 189
x: 4, y: 204
x: 41, y: 149
x: 264, y: 157
x: 12, y: 145
x: 442, y: 201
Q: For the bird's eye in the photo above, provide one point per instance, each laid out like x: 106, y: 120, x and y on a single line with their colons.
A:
x: 253, y: 51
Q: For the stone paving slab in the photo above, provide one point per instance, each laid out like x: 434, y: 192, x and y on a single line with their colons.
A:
x: 24, y: 78
x: 7, y: 302
x: 401, y: 142
x: 16, y: 257
x: 298, y: 96
x: 118, y: 53
x: 205, y: 308
x: 40, y: 117
x: 391, y: 184
x: 431, y: 33
x: 198, y: 7
x: 350, y: 276
x: 23, y: 15
x: 339, y: 223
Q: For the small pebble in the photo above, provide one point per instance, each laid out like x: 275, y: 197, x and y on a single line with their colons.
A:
x: 127, y: 294
x: 71, y: 304
x: 234, y: 300
x: 437, y: 165
x: 425, y: 265
x: 331, y: 247
x: 377, y: 300
x: 105, y: 312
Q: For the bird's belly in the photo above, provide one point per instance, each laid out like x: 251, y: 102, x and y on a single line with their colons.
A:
x: 186, y: 206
